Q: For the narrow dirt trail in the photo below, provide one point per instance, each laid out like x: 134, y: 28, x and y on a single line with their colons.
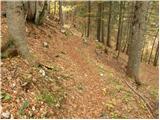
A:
x: 85, y: 96
x: 90, y: 94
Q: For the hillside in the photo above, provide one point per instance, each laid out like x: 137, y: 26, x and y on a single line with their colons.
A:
x: 79, y: 80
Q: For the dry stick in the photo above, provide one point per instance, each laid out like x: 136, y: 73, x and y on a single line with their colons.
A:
x: 149, y: 108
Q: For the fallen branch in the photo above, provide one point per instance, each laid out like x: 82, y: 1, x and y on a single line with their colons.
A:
x: 148, y: 106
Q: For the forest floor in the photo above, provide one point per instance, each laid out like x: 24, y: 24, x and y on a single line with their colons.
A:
x: 81, y: 81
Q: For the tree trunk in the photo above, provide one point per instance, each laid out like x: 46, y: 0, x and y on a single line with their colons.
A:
x: 119, y: 27
x: 138, y: 25
x: 130, y: 27
x: 60, y: 13
x: 156, y: 56
x: 31, y: 10
x: 16, y: 28
x: 153, y: 46
x: 99, y: 22
x: 109, y: 24
x: 102, y: 23
x: 41, y: 13
x: 54, y: 9
x: 142, y: 52
x: 125, y: 46
x: 89, y: 18
x: 36, y: 11
x: 17, y: 13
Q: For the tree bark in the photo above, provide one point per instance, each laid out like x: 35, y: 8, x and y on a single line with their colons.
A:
x: 102, y: 23
x: 54, y: 9
x: 89, y: 18
x: 130, y: 27
x: 109, y: 24
x: 138, y: 25
x: 156, y: 56
x: 16, y: 28
x: 60, y: 13
x: 36, y: 11
x: 142, y: 52
x: 41, y: 14
x: 153, y: 46
x: 119, y: 27
x: 99, y: 22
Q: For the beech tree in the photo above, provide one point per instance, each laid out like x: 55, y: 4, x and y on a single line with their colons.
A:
x: 138, y: 26
x: 17, y: 13
x: 36, y: 11
x: 16, y: 28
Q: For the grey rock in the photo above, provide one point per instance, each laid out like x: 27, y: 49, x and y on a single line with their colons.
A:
x: 6, y: 115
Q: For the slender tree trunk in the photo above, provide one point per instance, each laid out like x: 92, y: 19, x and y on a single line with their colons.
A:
x: 99, y: 22
x: 60, y: 13
x: 89, y: 18
x: 153, y: 46
x: 41, y: 14
x: 109, y: 24
x: 130, y: 27
x: 54, y: 9
x: 138, y: 25
x: 120, y: 41
x: 119, y: 27
x: 156, y: 56
x: 102, y: 23
x: 49, y: 7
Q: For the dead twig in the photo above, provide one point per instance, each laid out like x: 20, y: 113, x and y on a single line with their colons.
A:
x: 148, y: 106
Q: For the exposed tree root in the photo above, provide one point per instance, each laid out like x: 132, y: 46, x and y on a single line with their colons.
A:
x: 148, y: 106
x: 8, y: 50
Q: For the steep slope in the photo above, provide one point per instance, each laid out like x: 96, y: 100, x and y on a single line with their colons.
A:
x: 83, y: 81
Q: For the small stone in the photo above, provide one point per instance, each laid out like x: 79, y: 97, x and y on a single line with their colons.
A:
x: 34, y: 80
x: 41, y: 109
x: 41, y: 102
x: 42, y: 72
x: 14, y: 91
x: 33, y: 108
x: 101, y: 74
x: 45, y: 44
x: 13, y: 85
x: 63, y: 31
x: 85, y: 75
x: 6, y: 115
